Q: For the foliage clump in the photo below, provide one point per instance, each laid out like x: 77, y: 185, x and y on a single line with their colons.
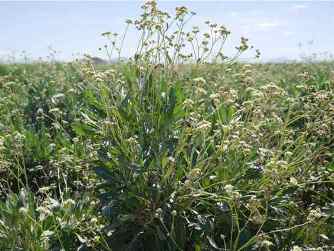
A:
x: 167, y: 151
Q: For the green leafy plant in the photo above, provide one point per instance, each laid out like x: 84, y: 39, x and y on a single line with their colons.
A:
x: 178, y: 148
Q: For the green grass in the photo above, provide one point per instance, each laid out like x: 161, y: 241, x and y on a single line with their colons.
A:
x: 221, y: 157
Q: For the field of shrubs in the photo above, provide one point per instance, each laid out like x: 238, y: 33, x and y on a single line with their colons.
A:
x: 167, y: 151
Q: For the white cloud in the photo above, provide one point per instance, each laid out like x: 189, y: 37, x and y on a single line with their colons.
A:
x: 288, y: 33
x: 268, y: 24
x: 254, y: 25
x: 300, y: 6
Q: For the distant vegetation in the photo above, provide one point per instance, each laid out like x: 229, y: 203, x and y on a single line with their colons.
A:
x: 169, y: 150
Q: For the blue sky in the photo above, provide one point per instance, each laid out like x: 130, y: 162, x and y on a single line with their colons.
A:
x: 74, y: 28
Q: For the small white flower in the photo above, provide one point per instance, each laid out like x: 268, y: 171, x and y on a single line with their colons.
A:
x: 214, y: 96
x: 229, y: 188
x: 203, y: 125
x: 188, y: 103
x: 40, y: 111
x: 296, y: 248
x: 23, y: 210
x: 199, y: 80
x: 47, y: 234
x: 315, y: 214
x: 194, y: 173
x: 293, y: 181
x: 68, y: 203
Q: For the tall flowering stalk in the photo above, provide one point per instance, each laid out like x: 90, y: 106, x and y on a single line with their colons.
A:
x: 166, y: 40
